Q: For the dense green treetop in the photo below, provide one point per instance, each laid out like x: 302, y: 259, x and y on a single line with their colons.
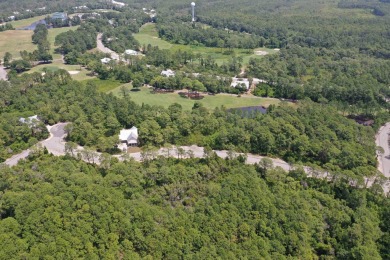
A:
x: 311, y: 133
x: 196, y: 208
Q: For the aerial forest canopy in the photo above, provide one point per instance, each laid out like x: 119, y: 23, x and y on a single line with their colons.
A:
x: 311, y: 134
x: 328, y: 49
x: 331, y: 58
x: 199, y: 208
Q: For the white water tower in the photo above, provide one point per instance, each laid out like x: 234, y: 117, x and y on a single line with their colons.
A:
x: 193, y: 11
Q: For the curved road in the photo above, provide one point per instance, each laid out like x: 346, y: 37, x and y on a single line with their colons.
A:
x: 104, y: 49
x: 55, y: 144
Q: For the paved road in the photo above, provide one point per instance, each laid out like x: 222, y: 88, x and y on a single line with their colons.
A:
x: 382, y: 138
x: 14, y: 159
x: 55, y: 144
x: 3, y: 73
x: 104, y: 49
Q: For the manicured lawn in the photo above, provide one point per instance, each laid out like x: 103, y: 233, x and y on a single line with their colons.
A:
x: 15, y: 41
x: 211, y: 102
x: 19, y: 40
x: 52, y: 35
x: 104, y: 85
x: 56, y: 65
x: 26, y: 22
x: 148, y: 35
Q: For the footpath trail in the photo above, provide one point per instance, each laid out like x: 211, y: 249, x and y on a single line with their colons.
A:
x: 55, y: 144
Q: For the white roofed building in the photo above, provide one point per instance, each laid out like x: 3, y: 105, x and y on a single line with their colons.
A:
x: 105, y: 60
x: 31, y: 120
x: 131, y: 52
x: 168, y: 73
x: 128, y: 137
x: 240, y: 81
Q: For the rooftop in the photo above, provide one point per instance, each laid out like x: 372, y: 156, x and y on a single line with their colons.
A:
x: 105, y: 60
x: 58, y: 15
x: 168, y: 73
x: 129, y: 135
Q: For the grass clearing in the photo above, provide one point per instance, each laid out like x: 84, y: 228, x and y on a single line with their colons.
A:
x: 56, y: 65
x: 210, y: 102
x: 26, y: 22
x: 148, y: 35
x: 52, y: 36
x: 15, y: 41
x: 104, y: 85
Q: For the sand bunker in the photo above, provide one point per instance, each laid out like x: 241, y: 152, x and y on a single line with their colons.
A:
x: 73, y: 72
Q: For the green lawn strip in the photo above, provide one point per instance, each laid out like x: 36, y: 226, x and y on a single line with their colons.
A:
x: 52, y: 35
x: 148, y: 35
x: 27, y: 22
x: 229, y: 101
x: 56, y: 65
x: 104, y: 85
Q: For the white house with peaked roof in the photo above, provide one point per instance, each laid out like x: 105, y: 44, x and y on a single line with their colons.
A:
x: 128, y: 137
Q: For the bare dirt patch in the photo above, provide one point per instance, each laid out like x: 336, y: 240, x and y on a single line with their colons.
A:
x: 133, y: 149
x: 262, y: 53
